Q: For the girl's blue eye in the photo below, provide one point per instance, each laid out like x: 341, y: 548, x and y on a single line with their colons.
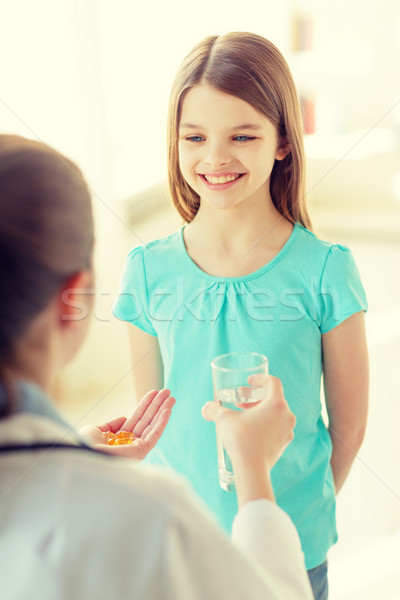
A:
x: 195, y: 138
x: 243, y: 138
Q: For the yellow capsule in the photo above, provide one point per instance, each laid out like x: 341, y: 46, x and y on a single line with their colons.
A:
x: 124, y: 434
x: 120, y: 438
x: 123, y: 441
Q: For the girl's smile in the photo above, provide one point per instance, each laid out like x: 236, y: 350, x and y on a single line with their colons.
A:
x: 221, y: 181
x: 227, y: 149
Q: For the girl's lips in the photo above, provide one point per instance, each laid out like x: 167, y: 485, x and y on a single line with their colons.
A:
x: 217, y: 181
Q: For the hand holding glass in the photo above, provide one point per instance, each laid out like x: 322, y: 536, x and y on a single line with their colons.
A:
x: 230, y: 373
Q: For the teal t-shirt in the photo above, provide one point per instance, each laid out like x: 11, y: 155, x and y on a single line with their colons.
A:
x: 281, y: 310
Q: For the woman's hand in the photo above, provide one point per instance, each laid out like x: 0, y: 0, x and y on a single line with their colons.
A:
x: 254, y: 437
x: 147, y: 423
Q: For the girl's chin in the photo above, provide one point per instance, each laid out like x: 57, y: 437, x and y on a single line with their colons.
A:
x: 220, y: 203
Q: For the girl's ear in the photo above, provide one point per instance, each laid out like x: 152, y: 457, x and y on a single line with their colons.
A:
x: 283, y: 149
x: 76, y: 297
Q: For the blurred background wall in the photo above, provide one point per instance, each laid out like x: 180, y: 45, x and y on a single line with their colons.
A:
x: 92, y: 78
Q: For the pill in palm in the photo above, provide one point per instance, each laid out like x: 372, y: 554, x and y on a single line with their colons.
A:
x: 120, y: 438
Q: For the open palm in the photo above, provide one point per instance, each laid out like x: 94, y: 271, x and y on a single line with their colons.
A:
x: 147, y: 422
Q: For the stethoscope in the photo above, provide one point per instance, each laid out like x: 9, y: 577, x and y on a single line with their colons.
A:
x: 49, y: 446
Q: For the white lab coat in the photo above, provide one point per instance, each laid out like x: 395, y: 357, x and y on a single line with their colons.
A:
x: 75, y: 525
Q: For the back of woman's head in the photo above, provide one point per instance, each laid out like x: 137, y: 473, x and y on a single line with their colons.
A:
x: 46, y: 232
x: 251, y: 68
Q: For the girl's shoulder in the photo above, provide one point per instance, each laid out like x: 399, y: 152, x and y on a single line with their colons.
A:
x: 311, y: 240
x: 157, y: 261
x: 169, y: 242
x: 161, y: 249
x: 327, y: 260
x: 311, y: 246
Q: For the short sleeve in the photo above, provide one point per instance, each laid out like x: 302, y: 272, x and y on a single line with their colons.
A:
x: 341, y: 292
x: 132, y: 303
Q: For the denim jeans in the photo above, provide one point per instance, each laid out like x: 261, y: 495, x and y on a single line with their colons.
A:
x: 319, y: 581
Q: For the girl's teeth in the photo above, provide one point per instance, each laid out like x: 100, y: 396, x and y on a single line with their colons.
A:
x: 223, y: 179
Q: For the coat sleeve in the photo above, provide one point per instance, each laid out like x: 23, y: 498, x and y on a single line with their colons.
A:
x: 265, y: 562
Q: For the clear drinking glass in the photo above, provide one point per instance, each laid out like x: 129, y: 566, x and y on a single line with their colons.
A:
x: 230, y: 373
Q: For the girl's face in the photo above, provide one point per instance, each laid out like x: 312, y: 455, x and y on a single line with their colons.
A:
x: 227, y: 149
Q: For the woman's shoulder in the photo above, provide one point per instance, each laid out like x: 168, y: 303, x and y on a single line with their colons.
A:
x: 155, y: 493
x: 117, y: 506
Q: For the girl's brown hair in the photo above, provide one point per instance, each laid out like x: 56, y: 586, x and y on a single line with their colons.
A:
x: 251, y: 68
x: 46, y: 233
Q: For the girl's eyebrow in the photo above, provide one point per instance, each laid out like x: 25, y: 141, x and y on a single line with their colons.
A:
x: 247, y: 126
x: 188, y: 126
x: 237, y: 128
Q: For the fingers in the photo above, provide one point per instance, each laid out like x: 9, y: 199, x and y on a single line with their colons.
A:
x: 276, y: 396
x: 275, y: 388
x: 147, y: 422
x: 114, y: 425
x: 141, y: 408
x: 147, y: 409
x: 154, y: 432
x: 150, y: 418
x: 165, y: 406
x: 259, y: 380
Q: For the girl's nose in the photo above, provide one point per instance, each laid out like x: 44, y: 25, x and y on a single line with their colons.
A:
x: 217, y: 155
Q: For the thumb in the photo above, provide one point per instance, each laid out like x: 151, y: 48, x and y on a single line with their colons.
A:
x: 211, y: 411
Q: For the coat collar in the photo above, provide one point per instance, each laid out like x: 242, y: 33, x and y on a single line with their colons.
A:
x: 34, y: 418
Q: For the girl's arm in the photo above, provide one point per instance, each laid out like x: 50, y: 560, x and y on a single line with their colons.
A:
x: 346, y: 382
x: 147, y: 365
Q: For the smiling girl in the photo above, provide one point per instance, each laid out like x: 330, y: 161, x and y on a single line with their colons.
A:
x: 245, y: 273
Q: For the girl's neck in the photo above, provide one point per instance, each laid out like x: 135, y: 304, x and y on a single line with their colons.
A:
x: 236, y: 228
x: 234, y: 243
